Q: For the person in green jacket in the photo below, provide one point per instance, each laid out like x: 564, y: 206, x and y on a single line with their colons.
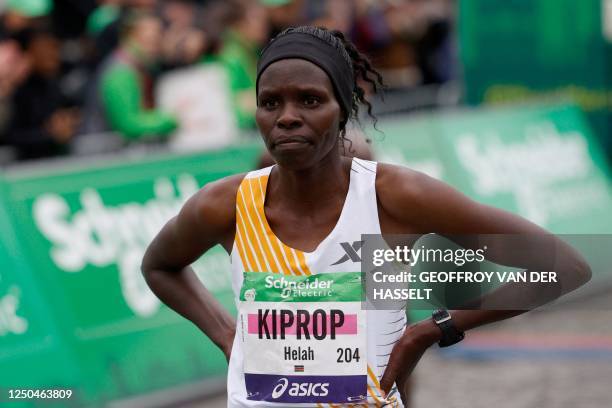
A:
x: 126, y: 84
x: 247, y: 31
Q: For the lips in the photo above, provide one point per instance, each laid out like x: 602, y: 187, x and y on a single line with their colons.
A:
x: 290, y: 141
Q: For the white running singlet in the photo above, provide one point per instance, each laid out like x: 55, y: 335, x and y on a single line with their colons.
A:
x: 302, y: 338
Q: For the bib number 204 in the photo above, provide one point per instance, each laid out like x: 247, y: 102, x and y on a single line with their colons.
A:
x: 347, y: 355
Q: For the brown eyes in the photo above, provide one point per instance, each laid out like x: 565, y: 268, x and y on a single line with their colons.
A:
x: 269, y: 104
x: 309, y: 101
x: 312, y: 101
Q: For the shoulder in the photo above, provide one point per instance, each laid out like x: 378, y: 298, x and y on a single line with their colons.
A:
x: 417, y: 200
x: 397, y: 183
x: 216, y: 201
x: 210, y: 214
x: 206, y: 219
x: 222, y: 190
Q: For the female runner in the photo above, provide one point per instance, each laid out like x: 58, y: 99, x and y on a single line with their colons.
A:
x: 293, y: 232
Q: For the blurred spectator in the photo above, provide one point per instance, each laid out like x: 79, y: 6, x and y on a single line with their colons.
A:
x: 247, y: 32
x: 332, y: 14
x: 104, y: 24
x: 199, y: 97
x: 14, y: 69
x: 283, y: 14
x: 42, y: 123
x: 435, y: 50
x: 183, y: 43
x: 122, y: 97
x: 415, y: 52
x: 371, y: 30
x: 104, y: 15
x: 21, y: 14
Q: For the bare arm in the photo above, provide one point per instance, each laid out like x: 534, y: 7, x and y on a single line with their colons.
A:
x: 207, y: 219
x: 415, y: 203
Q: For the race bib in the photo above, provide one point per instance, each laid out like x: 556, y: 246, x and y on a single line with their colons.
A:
x: 304, y: 338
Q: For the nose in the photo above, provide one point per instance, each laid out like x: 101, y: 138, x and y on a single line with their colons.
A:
x: 289, y: 117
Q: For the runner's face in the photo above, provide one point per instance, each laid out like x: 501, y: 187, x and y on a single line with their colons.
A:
x: 297, y: 113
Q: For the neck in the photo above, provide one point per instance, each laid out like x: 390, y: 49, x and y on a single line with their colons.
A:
x: 311, y: 187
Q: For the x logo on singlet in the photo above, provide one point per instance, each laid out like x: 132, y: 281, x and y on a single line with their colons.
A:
x: 351, y: 252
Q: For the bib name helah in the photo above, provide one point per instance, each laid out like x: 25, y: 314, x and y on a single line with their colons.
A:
x: 299, y: 353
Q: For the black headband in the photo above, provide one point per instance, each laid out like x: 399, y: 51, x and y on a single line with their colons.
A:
x: 319, y: 52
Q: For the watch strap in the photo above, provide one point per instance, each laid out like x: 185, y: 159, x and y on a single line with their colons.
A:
x: 450, y: 334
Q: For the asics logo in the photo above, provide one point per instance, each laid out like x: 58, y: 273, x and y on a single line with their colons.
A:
x: 305, y: 389
x: 280, y: 388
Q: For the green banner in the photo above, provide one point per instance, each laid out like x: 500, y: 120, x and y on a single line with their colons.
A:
x: 544, y: 50
x: 78, y: 313
x: 31, y: 346
x: 537, y: 161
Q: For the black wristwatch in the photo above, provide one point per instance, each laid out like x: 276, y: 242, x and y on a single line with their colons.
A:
x: 450, y: 334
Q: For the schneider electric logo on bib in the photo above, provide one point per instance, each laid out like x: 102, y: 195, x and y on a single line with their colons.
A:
x: 315, y: 288
x: 304, y: 389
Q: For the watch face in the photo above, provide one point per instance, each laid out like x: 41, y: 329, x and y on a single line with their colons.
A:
x: 440, y: 315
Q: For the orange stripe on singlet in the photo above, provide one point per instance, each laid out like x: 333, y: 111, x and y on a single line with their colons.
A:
x: 250, y: 265
x: 255, y: 235
x: 252, y: 237
x: 249, y: 245
x: 293, y: 265
x: 292, y: 258
x: 376, y: 384
x: 240, y: 246
x: 260, y: 230
x: 373, y: 395
x: 373, y: 377
x: 303, y: 264
x: 285, y: 255
x: 277, y: 246
x: 238, y: 241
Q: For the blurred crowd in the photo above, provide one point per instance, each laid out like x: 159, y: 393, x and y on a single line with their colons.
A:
x: 95, y: 76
